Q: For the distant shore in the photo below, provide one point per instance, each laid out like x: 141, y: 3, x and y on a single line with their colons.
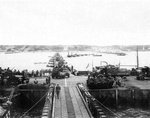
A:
x: 62, y: 48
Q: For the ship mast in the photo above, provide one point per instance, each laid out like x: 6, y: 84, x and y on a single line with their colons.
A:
x: 137, y: 58
x: 92, y: 64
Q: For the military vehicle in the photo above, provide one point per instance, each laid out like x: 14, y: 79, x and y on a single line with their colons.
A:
x: 143, y: 73
x: 106, y: 77
x: 59, y: 68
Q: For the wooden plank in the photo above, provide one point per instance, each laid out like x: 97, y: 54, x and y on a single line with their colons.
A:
x: 57, y: 108
x: 75, y: 103
x: 70, y: 108
x: 81, y: 105
x: 63, y: 104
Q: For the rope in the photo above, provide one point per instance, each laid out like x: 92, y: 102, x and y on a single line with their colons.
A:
x: 107, y: 108
x: 33, y: 105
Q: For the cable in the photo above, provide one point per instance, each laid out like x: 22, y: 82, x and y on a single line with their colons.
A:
x: 34, y: 105
x: 107, y: 108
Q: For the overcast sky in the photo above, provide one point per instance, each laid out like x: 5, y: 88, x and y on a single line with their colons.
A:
x: 70, y: 22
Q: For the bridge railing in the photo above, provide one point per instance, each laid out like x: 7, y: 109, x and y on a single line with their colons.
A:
x: 93, y: 107
x: 49, y: 103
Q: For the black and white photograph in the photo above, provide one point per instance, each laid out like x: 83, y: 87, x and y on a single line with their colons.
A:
x: 74, y: 59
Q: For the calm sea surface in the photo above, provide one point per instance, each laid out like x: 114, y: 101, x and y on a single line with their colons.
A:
x: 39, y: 60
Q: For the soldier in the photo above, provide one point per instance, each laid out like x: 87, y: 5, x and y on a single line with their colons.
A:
x: 48, y: 79
x: 32, y: 73
x: 58, y: 88
x: 37, y: 73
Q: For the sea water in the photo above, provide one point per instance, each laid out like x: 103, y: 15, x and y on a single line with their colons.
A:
x: 39, y: 60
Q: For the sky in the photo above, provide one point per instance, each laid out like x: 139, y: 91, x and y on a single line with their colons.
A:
x: 75, y: 22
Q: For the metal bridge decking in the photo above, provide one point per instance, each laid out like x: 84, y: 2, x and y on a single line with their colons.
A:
x: 69, y: 104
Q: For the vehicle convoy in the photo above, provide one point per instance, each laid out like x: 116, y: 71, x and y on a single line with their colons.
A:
x: 106, y: 77
x: 59, y: 67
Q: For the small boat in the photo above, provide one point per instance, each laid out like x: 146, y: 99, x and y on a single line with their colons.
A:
x: 121, y: 54
x: 97, y: 55
x: 40, y: 63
